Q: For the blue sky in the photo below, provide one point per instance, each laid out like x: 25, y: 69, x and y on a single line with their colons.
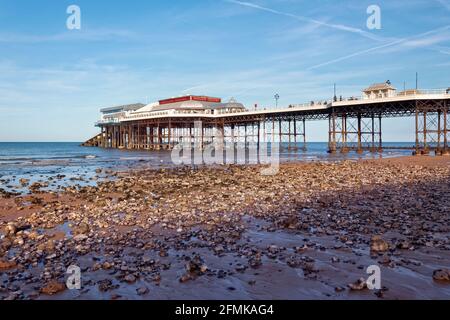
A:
x: 54, y: 80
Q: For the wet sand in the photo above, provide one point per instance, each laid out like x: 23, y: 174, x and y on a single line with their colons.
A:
x: 232, y: 233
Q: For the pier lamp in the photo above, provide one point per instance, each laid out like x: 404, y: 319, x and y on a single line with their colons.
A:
x: 277, y: 96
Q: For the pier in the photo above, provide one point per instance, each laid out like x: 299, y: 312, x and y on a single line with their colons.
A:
x: 355, y: 123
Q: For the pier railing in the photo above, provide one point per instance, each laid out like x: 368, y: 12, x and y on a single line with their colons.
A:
x: 411, y: 93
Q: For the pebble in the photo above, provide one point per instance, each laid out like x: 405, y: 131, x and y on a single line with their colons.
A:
x: 53, y: 287
x: 441, y: 275
x: 377, y: 244
x: 130, y: 278
x: 360, y: 284
x: 142, y: 291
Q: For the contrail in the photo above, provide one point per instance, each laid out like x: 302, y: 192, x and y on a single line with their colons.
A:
x: 390, y: 44
x: 345, y: 28
x: 307, y: 19
x: 445, y: 4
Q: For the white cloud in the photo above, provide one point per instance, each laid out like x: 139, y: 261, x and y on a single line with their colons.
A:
x: 69, y: 35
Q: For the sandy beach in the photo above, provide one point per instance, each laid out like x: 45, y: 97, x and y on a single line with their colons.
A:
x: 308, y: 232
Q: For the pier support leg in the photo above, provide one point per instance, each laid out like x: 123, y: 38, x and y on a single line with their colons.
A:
x: 359, y: 134
x: 344, y: 148
x: 304, y: 134
x: 245, y: 136
x: 169, y: 136
x: 380, y: 135
x: 280, y: 134
x: 446, y: 120
x: 159, y: 138
x: 289, y: 135
x: 431, y: 127
x: 259, y: 134
x: 332, y: 133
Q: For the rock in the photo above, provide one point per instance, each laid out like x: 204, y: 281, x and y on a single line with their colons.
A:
x: 11, y: 228
x: 130, y: 278
x: 240, y: 267
x: 5, y: 244
x: 163, y: 253
x: 185, y: 277
x: 19, y: 241
x: 82, y: 228
x: 255, y: 261
x: 273, y: 249
x: 385, y: 260
x: 293, y: 262
x: 7, y: 265
x: 80, y: 237
x: 24, y: 182
x: 301, y: 249
x: 48, y: 246
x: 142, y: 291
x: 219, y: 249
x: 404, y: 245
x: 105, y: 285
x: 335, y: 259
x: 53, y: 287
x: 51, y: 256
x: 377, y: 244
x: 360, y: 284
x: 196, y: 267
x: 289, y: 222
x: 441, y: 275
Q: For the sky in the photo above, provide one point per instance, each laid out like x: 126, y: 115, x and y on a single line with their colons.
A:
x: 54, y: 80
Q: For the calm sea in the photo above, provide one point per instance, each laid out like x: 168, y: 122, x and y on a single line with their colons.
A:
x: 68, y: 163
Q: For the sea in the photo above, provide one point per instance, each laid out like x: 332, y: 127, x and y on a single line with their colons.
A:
x: 62, y: 164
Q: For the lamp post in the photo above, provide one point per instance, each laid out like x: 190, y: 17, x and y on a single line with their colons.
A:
x: 277, y: 96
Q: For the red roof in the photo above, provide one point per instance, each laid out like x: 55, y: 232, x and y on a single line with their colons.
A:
x: 188, y: 98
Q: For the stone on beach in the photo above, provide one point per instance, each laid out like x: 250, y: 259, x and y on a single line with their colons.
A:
x: 441, y: 275
x: 377, y: 244
x: 24, y: 182
x: 360, y: 284
x: 7, y: 265
x: 53, y: 287
x: 130, y: 278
